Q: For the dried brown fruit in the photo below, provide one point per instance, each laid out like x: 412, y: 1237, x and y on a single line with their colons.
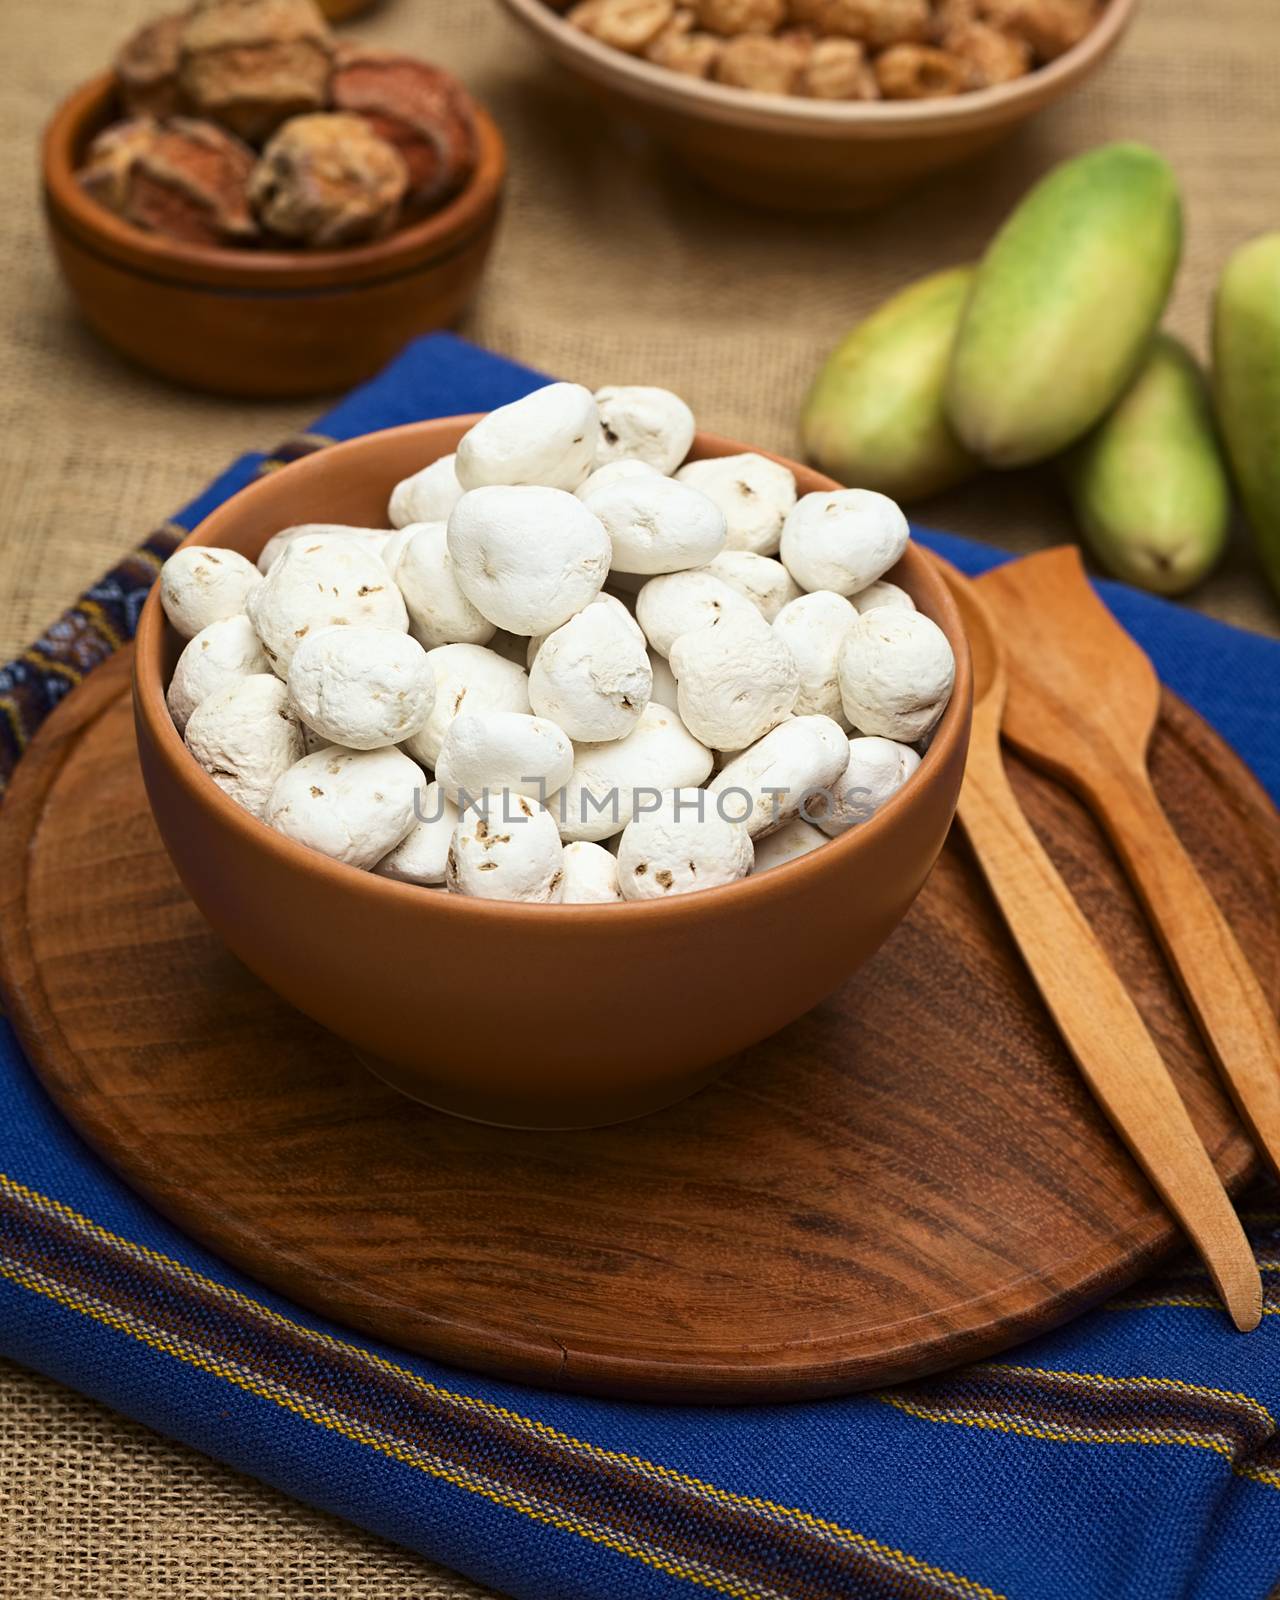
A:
x: 877, y: 23
x: 734, y: 17
x: 995, y: 57
x: 682, y: 47
x: 147, y: 67
x: 755, y: 61
x: 185, y: 179
x: 919, y: 72
x: 252, y: 64
x: 328, y: 179
x: 629, y: 25
x: 1050, y: 27
x: 838, y: 69
x: 420, y: 109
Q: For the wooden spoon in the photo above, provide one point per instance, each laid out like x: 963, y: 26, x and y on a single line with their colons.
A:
x: 1093, y: 1010
x: 1083, y: 703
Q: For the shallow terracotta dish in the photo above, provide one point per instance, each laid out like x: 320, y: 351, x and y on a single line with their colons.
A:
x: 260, y: 322
x: 524, y: 1015
x: 798, y: 154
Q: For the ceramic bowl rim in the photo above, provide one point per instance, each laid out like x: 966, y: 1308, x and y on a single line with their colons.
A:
x: 783, y: 882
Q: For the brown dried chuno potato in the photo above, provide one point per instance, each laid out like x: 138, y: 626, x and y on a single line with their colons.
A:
x: 683, y: 47
x: 755, y: 61
x: 995, y: 57
x: 920, y: 72
x: 877, y: 23
x: 838, y: 69
x: 1050, y: 27
x: 628, y: 25
x: 735, y: 17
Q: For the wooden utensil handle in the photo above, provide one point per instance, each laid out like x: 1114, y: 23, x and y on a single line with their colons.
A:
x: 1220, y: 986
x: 1105, y: 1033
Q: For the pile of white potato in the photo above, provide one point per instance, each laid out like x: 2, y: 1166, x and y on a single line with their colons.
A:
x: 626, y: 677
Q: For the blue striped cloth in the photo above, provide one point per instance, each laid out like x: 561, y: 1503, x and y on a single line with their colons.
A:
x: 1132, y: 1454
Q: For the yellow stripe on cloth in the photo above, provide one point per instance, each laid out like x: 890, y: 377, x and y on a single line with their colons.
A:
x: 131, y: 1327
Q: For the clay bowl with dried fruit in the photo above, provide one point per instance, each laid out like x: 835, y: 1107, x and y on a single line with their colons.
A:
x: 792, y: 153
x: 261, y: 321
x: 505, y: 1011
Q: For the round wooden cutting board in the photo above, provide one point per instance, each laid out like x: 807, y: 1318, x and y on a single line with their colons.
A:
x: 909, y: 1177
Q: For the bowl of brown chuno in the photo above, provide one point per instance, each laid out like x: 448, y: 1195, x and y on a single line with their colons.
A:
x: 826, y: 105
x: 250, y: 204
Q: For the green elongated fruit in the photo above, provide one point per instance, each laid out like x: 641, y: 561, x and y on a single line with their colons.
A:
x: 1064, y: 304
x: 1246, y: 376
x: 1149, y: 485
x: 874, y: 417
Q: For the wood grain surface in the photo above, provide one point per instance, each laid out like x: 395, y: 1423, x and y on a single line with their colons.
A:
x: 911, y: 1176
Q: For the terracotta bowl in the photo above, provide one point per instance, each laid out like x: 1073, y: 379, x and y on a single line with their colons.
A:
x: 797, y: 154
x: 260, y: 322
x: 524, y: 1015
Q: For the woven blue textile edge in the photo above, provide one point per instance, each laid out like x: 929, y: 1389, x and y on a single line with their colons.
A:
x: 1131, y: 1454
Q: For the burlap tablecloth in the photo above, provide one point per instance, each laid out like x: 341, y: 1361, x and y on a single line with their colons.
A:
x: 610, y: 267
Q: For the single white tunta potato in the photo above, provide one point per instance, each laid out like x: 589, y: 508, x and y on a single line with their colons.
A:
x: 245, y: 737
x: 547, y: 438
x: 897, y: 671
x: 680, y: 846
x: 754, y: 493
x: 354, y: 806
x: 201, y: 584
x: 215, y: 658
x: 843, y: 539
x: 361, y: 687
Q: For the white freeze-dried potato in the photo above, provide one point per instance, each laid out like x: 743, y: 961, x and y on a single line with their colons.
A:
x: 202, y: 584
x: 592, y: 676
x: 325, y: 581
x: 681, y: 845
x: 813, y: 629
x: 682, y: 602
x: 527, y: 558
x: 601, y: 795
x: 245, y: 737
x: 843, y: 539
x: 214, y: 659
x: 547, y: 438
x: 613, y: 472
x: 492, y: 752
x: 428, y: 496
x: 656, y: 524
x: 792, y: 839
x: 665, y: 690
x: 511, y: 851
x: 375, y: 538
x: 736, y: 680
x: 897, y: 671
x: 877, y: 768
x: 352, y: 805
x: 638, y: 423
x: 590, y: 874
x: 439, y: 612
x: 765, y: 582
x: 398, y: 542
x: 421, y: 856
x: 779, y: 775
x: 361, y: 687
x: 754, y: 493
x: 881, y: 593
x: 619, y: 609
x: 467, y: 677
